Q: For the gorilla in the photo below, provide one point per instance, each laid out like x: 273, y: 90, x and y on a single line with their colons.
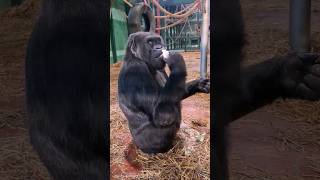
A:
x: 238, y: 91
x: 148, y: 97
x: 66, y: 88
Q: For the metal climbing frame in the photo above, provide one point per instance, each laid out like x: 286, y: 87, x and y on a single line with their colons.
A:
x: 185, y: 35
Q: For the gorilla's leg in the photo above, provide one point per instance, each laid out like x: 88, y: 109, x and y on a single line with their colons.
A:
x: 167, y: 109
x: 148, y: 137
x: 290, y: 76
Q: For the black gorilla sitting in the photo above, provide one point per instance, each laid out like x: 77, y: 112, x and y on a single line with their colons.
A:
x: 240, y: 91
x: 148, y: 97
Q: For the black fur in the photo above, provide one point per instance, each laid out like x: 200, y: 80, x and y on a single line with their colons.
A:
x: 149, y: 98
x: 238, y: 92
x: 66, y: 88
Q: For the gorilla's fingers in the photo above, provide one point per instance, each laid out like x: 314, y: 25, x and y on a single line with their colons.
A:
x: 289, y: 84
x: 176, y: 62
x: 204, y: 85
x: 205, y: 80
x: 312, y: 82
x: 317, y: 60
x: 205, y: 89
x: 208, y: 85
x: 315, y: 69
x: 306, y: 93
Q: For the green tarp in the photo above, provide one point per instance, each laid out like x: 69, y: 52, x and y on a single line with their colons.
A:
x: 5, y: 3
x: 8, y: 3
x: 119, y: 31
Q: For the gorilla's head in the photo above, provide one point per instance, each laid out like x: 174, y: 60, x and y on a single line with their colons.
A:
x: 147, y: 47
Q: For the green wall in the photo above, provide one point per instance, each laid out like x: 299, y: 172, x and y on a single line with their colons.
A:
x: 5, y: 3
x: 8, y: 3
x: 118, y: 31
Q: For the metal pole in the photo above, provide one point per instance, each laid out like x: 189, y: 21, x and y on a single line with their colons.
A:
x: 158, y: 20
x: 204, y: 39
x: 300, y: 13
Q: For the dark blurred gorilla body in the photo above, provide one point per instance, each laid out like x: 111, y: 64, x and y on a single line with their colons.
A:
x: 66, y: 88
x: 239, y: 91
x: 149, y: 98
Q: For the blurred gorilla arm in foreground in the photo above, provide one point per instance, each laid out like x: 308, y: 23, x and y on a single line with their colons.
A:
x: 240, y: 91
x: 290, y: 76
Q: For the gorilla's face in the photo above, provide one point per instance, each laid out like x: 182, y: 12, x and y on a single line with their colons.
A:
x: 147, y: 47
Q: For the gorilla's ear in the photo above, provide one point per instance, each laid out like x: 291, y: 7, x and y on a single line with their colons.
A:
x: 132, y: 44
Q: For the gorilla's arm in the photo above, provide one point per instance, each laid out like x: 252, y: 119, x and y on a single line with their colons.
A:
x: 290, y: 76
x: 259, y: 85
x: 191, y: 88
x: 171, y: 94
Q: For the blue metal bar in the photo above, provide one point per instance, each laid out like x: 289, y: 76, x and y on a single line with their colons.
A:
x: 300, y: 13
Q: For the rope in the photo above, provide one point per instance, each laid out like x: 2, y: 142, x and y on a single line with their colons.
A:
x: 128, y: 3
x: 178, y: 13
x: 169, y: 14
x: 177, y: 22
x: 173, y: 24
x: 189, y: 10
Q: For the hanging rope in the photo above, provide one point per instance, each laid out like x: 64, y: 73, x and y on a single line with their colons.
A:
x: 185, y: 16
x: 180, y: 12
x: 128, y: 3
x: 173, y: 24
x: 169, y: 14
x: 182, y: 15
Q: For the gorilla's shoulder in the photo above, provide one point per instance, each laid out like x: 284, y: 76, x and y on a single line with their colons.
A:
x: 134, y: 63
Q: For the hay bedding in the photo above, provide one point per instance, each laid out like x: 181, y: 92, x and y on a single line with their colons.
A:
x: 306, y: 118
x: 190, y: 157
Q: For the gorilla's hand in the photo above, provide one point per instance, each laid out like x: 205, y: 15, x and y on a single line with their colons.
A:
x: 300, y: 76
x: 199, y: 85
x: 203, y: 85
x: 176, y: 63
